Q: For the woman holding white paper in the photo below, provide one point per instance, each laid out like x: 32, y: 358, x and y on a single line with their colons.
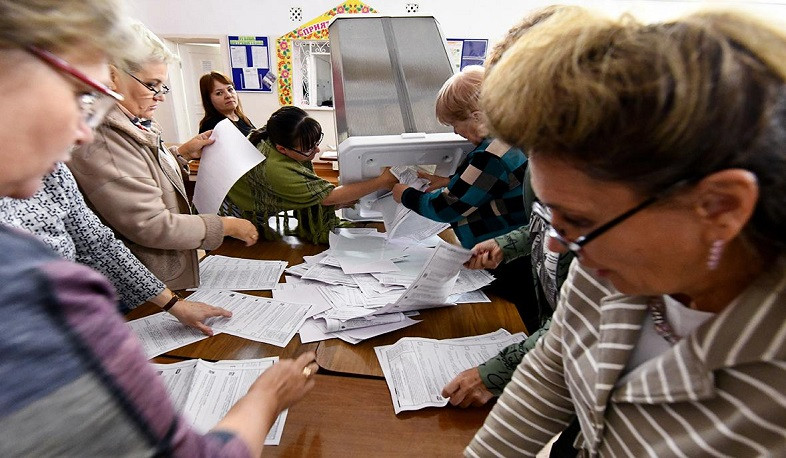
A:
x: 134, y: 183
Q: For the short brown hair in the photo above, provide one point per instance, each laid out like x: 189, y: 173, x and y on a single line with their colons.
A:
x: 206, y: 82
x: 648, y: 105
x: 459, y: 96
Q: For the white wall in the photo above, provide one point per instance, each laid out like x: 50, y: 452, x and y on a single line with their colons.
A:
x: 458, y: 19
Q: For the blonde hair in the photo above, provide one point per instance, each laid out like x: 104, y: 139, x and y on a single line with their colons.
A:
x: 154, y: 50
x: 649, y: 105
x: 531, y: 20
x: 61, y: 25
x: 459, y: 96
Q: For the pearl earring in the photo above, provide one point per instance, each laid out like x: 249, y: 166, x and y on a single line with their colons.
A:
x: 716, y: 250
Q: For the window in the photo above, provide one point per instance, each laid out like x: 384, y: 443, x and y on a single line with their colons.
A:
x: 312, y: 75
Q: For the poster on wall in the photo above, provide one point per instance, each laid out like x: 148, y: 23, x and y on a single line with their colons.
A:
x: 466, y: 51
x: 250, y: 61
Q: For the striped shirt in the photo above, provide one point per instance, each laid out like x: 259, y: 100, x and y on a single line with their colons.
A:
x: 720, y: 391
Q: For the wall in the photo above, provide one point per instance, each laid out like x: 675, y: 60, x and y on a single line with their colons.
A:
x: 458, y: 19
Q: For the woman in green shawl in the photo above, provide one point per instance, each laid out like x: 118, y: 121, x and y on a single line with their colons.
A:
x: 285, y: 181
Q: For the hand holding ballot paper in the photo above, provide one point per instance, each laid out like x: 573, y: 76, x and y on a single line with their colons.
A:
x: 248, y: 397
x: 222, y: 164
x: 416, y: 369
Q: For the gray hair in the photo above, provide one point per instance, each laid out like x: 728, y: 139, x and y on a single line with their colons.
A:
x: 153, y: 50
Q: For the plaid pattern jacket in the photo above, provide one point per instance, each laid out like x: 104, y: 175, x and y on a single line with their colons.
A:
x: 483, y: 198
x: 720, y: 391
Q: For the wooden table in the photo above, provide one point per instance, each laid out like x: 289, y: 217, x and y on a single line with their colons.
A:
x: 335, y: 355
x: 350, y: 412
x: 353, y: 416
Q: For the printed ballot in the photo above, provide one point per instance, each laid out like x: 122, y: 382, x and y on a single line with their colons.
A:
x: 203, y: 392
x: 161, y: 332
x: 417, y: 369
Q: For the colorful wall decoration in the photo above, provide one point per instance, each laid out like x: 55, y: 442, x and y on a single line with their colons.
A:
x: 316, y: 29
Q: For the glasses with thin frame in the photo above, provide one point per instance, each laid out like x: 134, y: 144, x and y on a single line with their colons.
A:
x: 576, y: 245
x: 163, y: 90
x: 95, y: 104
x: 309, y: 151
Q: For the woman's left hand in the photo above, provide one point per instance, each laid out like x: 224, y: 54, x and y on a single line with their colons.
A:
x: 192, y: 149
x: 193, y: 314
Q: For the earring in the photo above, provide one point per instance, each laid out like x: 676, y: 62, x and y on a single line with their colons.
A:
x: 713, y: 258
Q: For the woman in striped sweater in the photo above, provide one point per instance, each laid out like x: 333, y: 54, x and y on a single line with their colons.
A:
x: 660, y: 151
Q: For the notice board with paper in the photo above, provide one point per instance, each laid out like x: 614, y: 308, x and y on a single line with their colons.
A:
x: 249, y: 57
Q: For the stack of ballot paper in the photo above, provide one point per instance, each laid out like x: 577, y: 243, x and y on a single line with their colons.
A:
x: 203, y: 392
x: 361, y: 305
x: 416, y: 369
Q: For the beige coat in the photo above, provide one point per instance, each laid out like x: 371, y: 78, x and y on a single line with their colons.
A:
x: 144, y: 200
x: 720, y: 391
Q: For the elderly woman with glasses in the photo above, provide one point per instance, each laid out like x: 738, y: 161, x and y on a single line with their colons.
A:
x: 73, y: 379
x: 134, y: 182
x: 220, y: 101
x: 286, y: 180
x: 661, y: 151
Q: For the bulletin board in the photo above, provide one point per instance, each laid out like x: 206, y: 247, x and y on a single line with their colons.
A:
x: 467, y: 51
x: 250, y: 60
x: 315, y: 29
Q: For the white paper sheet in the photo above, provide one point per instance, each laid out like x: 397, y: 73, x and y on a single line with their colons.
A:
x: 203, y: 392
x: 360, y: 253
x: 256, y: 318
x: 302, y: 294
x: 251, y: 78
x: 417, y: 369
x: 373, y: 331
x: 160, y: 333
x: 238, y: 274
x: 434, y: 284
x: 238, y: 56
x: 230, y: 157
x: 313, y: 330
x: 333, y: 325
x: 401, y: 222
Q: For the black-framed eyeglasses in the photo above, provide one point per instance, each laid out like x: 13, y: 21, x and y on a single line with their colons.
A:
x: 575, y: 246
x: 94, y: 105
x: 163, y: 90
x: 309, y: 151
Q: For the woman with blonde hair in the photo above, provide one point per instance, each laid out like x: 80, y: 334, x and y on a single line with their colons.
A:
x: 660, y: 151
x: 134, y: 183
x: 220, y: 101
x: 483, y: 199
x: 74, y: 380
